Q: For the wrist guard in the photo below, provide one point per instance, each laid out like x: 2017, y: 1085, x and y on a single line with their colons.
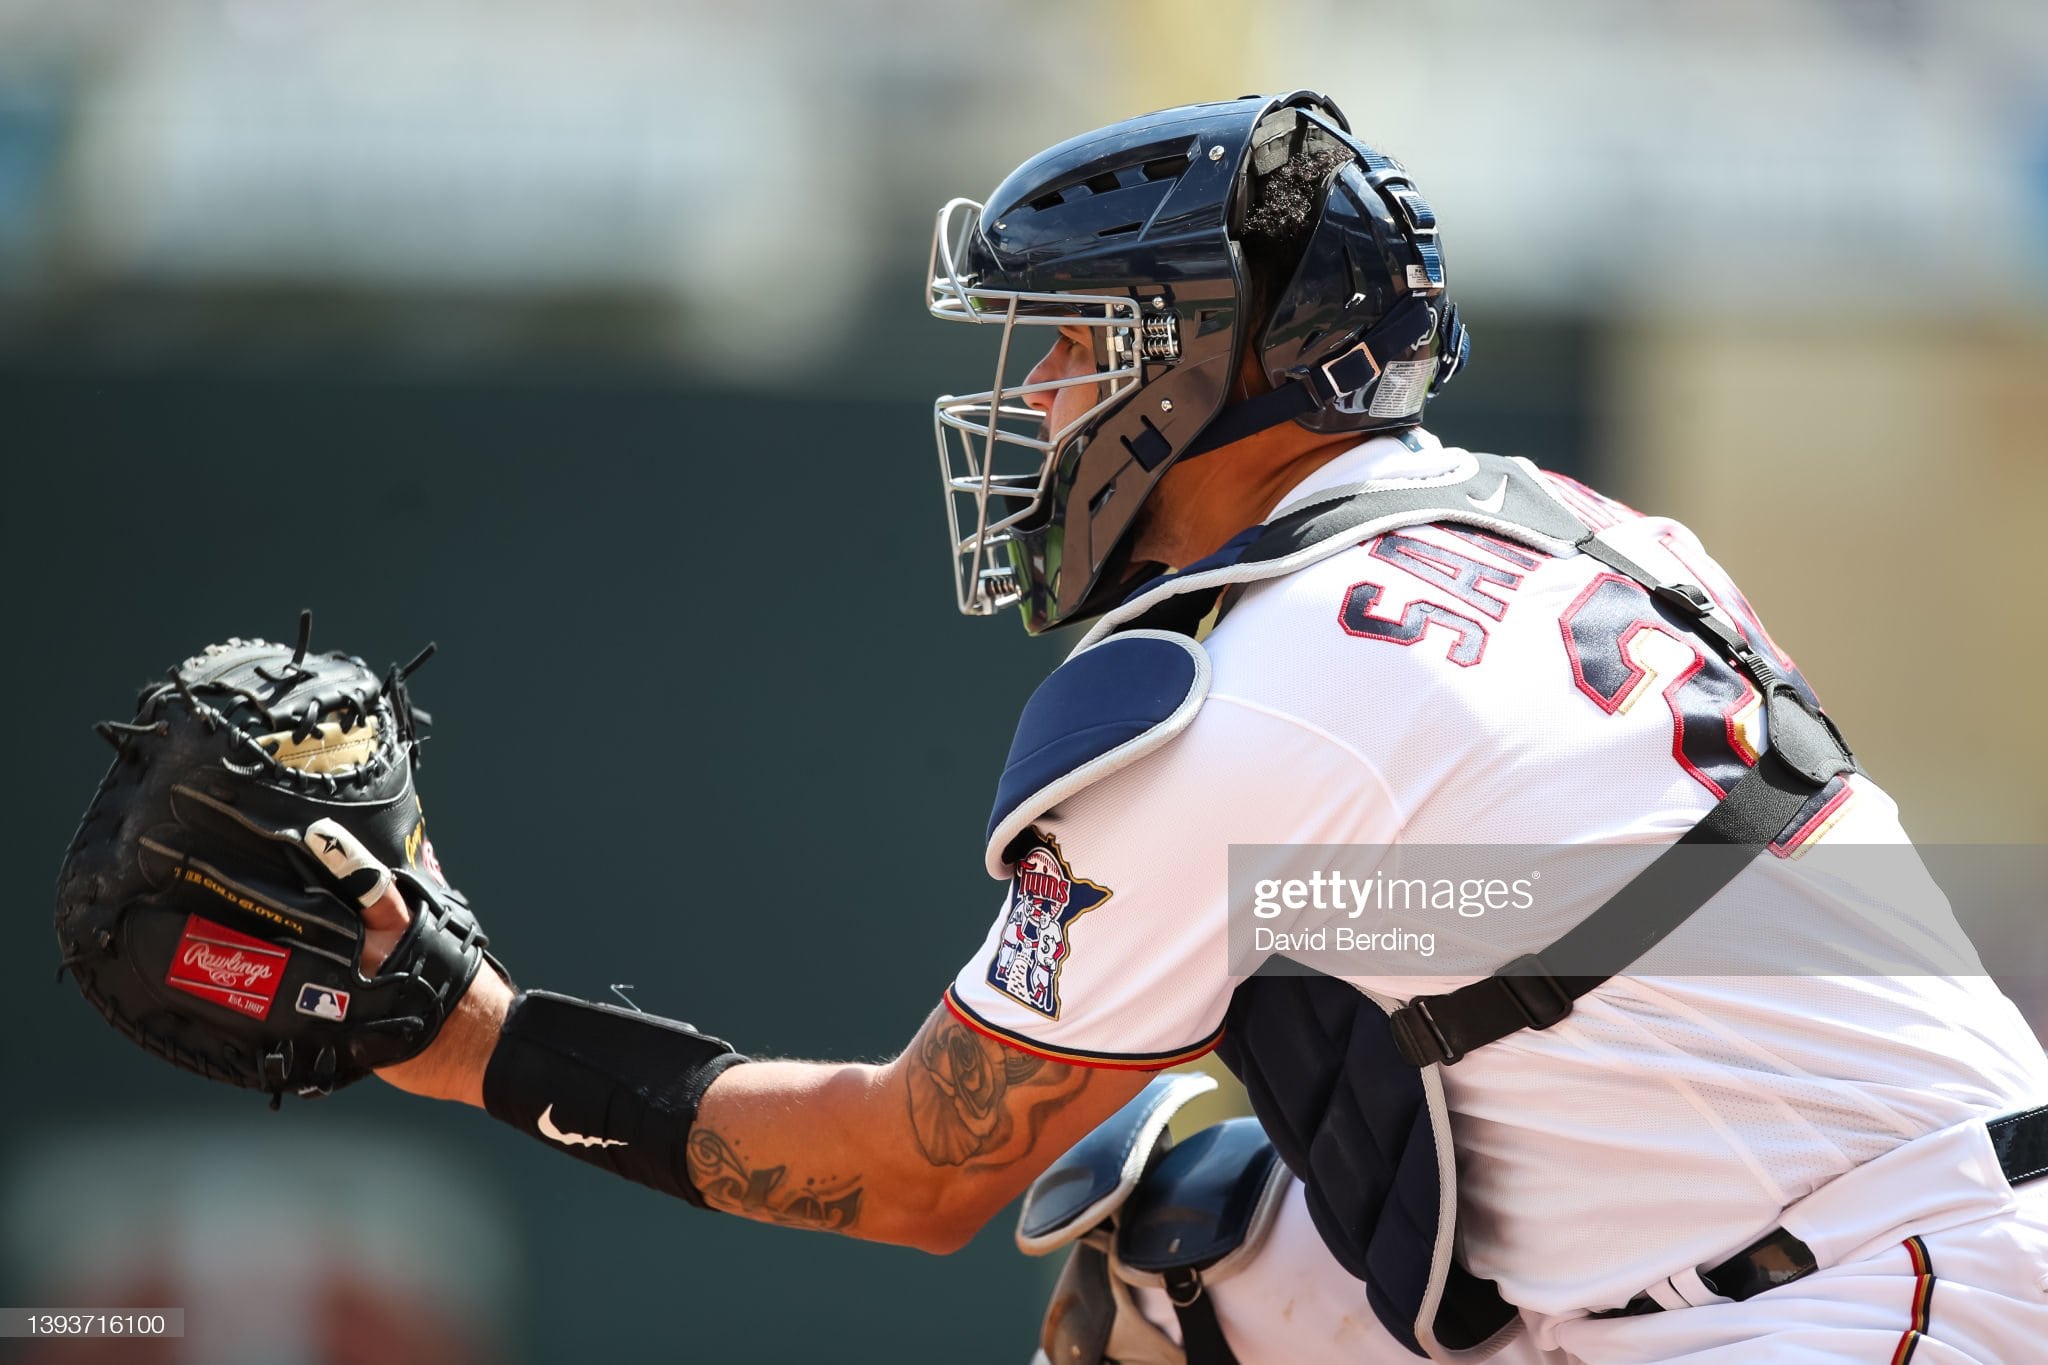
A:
x: 616, y: 1088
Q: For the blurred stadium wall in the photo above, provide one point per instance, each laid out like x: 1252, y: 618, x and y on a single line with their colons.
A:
x: 595, y: 324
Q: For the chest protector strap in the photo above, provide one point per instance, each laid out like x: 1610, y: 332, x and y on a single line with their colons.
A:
x: 1347, y: 1086
x: 1804, y: 753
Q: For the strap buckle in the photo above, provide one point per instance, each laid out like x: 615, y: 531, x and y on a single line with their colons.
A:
x: 1693, y: 603
x: 1183, y: 1286
x: 1337, y: 386
x: 1534, y: 990
x: 1688, y: 598
x: 1418, y: 1038
x: 1526, y: 983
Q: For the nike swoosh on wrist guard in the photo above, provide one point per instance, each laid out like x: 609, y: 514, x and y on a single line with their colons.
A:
x: 611, y: 1087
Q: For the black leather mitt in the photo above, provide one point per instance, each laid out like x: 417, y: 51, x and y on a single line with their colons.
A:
x: 210, y: 903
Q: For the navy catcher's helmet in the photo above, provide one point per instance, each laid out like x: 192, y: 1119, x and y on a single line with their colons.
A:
x: 1136, y: 233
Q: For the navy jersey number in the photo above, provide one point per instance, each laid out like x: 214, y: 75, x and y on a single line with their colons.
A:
x: 1707, y: 697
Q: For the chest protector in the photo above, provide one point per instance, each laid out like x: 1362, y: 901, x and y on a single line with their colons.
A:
x: 1346, y: 1085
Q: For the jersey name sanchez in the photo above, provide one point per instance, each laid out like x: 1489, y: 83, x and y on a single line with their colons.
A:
x: 1439, y: 686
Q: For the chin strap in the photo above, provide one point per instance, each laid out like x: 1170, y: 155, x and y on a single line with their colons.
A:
x: 1348, y: 375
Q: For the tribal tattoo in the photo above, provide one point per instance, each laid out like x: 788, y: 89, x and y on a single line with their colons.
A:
x: 729, y: 1185
x: 968, y: 1100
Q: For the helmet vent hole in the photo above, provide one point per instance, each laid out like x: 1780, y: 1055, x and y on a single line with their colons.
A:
x: 1150, y: 447
x: 1119, y: 230
x: 1048, y: 201
x: 1103, y: 184
x: 1166, y: 168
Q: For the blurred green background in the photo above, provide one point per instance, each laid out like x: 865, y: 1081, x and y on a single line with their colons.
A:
x: 586, y: 340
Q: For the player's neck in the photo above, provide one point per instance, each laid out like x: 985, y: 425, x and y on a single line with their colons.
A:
x: 1203, y: 503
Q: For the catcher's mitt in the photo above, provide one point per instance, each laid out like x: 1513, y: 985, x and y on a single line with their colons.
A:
x: 209, y: 905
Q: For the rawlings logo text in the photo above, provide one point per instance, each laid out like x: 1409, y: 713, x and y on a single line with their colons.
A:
x: 227, y: 968
x: 230, y: 968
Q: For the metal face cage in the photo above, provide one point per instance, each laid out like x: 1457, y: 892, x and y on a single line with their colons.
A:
x: 998, y: 455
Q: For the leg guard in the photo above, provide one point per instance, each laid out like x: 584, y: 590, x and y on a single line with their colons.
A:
x: 1146, y: 1211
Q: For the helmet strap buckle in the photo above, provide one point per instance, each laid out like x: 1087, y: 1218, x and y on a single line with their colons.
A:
x: 1345, y: 373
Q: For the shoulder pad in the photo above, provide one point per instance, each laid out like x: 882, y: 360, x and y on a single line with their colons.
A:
x: 1107, y: 706
x: 1098, y: 1173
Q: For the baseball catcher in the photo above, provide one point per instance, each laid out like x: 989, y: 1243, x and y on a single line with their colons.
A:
x: 1315, y: 624
x: 219, y: 897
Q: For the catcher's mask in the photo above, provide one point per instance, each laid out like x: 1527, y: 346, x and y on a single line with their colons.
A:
x: 1132, y: 233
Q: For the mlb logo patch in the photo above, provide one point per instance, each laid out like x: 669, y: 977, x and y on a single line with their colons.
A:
x: 229, y: 969
x: 322, y: 1002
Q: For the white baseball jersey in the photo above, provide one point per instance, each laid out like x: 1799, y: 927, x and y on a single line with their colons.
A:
x: 1434, y: 687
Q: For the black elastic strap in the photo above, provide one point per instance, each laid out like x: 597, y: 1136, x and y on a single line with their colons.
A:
x: 1805, y: 753
x: 1537, y: 990
x: 1408, y: 325
x: 1688, y: 874
x: 1692, y: 605
x: 1201, y: 1335
x: 1253, y: 415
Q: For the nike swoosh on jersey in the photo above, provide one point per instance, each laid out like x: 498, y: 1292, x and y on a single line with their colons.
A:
x: 1491, y: 502
x: 548, y: 1130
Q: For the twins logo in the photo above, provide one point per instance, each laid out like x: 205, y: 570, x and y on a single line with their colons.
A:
x: 1045, y: 900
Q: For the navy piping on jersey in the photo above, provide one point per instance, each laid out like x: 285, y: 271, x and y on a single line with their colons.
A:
x: 1110, y: 1061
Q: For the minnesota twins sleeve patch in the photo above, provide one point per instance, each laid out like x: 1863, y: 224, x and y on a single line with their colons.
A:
x: 1045, y: 900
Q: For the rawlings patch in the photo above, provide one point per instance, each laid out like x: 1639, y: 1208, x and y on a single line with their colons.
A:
x: 232, y: 970
x: 1045, y: 899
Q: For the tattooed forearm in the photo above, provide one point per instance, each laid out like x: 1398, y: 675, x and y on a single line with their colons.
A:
x: 830, y: 1204
x: 825, y: 1145
x: 976, y: 1103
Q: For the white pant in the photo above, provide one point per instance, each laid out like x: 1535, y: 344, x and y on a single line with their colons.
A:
x: 1983, y: 1298
x: 1292, y: 1304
